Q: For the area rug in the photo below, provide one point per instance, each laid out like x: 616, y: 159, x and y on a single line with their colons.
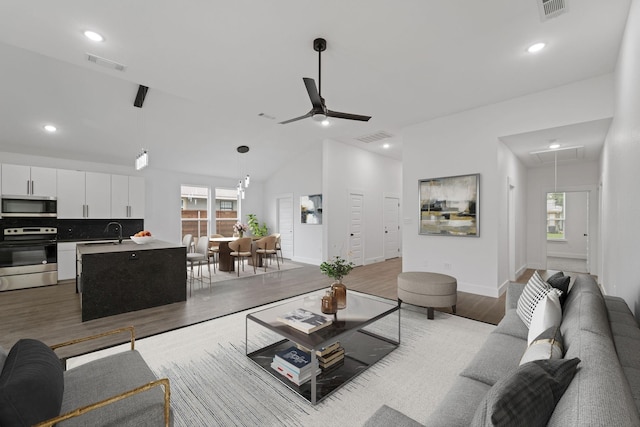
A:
x: 221, y: 276
x: 213, y: 383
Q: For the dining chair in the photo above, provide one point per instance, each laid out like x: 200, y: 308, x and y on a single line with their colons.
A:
x: 241, y: 250
x: 214, y: 250
x: 187, y: 241
x: 279, y: 247
x: 266, y: 248
x: 200, y: 256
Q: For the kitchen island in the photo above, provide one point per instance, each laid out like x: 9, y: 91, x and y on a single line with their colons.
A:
x: 114, y: 278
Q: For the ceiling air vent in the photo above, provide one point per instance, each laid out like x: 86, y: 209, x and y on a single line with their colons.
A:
x: 551, y: 8
x: 107, y: 63
x: 375, y: 137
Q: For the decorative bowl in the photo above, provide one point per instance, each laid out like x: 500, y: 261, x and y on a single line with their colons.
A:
x: 141, y: 240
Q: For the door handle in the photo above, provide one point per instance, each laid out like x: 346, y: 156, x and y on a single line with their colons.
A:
x: 351, y: 234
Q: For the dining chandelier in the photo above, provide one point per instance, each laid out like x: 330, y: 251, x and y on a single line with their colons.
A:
x: 243, y: 183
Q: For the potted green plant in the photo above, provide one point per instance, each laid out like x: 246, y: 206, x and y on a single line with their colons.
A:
x: 337, y: 269
x: 255, y: 227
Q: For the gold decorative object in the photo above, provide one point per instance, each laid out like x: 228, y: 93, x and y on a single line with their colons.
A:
x: 340, y: 293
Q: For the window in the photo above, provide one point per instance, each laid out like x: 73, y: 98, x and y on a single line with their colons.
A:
x: 226, y: 210
x: 194, y: 210
x: 555, y: 216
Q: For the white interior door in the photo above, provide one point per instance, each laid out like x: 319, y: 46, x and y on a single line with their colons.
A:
x: 285, y: 225
x: 356, y: 246
x: 391, y: 227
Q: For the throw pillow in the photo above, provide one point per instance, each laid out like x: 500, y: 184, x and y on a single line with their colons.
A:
x: 528, y: 396
x: 31, y: 384
x: 547, y: 313
x: 535, y: 290
x: 547, y: 345
x: 560, y: 281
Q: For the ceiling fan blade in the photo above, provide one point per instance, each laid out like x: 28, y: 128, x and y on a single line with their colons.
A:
x: 314, y: 96
x: 309, y: 114
x: 339, y: 115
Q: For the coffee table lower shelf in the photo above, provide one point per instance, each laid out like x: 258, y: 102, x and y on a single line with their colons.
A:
x: 362, y: 350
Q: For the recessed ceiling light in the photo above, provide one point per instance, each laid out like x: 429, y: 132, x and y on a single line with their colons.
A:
x: 554, y: 146
x: 325, y: 122
x: 386, y: 146
x: 93, y: 36
x: 536, y: 47
x: 50, y: 128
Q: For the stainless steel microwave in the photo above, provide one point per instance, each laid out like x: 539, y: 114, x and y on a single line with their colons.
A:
x: 29, y: 206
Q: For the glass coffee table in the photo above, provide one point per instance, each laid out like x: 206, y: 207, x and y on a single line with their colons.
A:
x: 368, y: 329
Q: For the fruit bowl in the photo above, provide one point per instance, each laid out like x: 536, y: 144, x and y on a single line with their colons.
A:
x: 141, y: 240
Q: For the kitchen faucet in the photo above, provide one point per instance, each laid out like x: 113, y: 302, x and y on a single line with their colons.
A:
x: 106, y: 229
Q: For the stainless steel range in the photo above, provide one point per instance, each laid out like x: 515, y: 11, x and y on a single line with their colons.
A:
x: 28, y: 257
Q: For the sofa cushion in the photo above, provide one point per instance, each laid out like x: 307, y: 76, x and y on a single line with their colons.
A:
x: 528, y: 396
x: 534, y: 291
x: 458, y: 406
x: 109, y: 376
x: 547, y: 345
x: 387, y: 416
x: 498, y: 357
x: 31, y: 384
x: 548, y: 313
x: 511, y: 324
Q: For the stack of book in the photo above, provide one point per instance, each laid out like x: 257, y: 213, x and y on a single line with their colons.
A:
x: 330, y: 356
x: 295, y: 365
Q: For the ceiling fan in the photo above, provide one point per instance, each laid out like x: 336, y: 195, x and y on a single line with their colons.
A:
x: 320, y: 112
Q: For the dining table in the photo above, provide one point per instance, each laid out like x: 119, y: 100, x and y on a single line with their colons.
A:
x: 225, y: 261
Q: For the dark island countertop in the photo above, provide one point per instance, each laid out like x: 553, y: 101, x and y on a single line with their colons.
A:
x: 126, y: 246
x: 114, y: 278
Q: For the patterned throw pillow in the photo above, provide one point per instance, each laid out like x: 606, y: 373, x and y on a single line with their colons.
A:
x: 528, y: 396
x: 535, y: 290
x: 547, y: 345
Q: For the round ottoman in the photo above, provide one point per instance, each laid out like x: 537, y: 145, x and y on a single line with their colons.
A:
x: 427, y: 290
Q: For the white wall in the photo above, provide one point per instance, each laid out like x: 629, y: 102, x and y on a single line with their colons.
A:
x: 576, y: 225
x: 162, y: 204
x: 513, y: 247
x: 621, y: 175
x: 332, y: 169
x: 571, y: 177
x: 347, y: 168
x: 301, y: 177
x: 468, y: 142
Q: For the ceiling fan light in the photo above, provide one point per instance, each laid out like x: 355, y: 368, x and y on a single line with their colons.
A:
x: 319, y: 117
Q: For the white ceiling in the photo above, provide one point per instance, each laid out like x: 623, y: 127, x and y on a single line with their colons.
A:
x: 214, y: 66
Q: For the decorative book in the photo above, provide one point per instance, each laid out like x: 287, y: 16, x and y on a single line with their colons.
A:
x: 305, y: 320
x: 296, y: 360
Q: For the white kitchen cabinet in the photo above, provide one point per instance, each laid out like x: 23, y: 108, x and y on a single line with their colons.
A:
x: 66, y: 260
x: 19, y: 180
x: 84, y: 194
x: 127, y: 196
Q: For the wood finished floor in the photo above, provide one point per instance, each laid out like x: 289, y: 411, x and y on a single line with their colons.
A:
x: 52, y: 314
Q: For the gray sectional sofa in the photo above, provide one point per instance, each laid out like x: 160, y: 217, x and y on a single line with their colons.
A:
x: 599, y: 330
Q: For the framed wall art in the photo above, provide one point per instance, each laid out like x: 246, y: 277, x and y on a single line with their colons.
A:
x: 311, y: 209
x: 449, y: 206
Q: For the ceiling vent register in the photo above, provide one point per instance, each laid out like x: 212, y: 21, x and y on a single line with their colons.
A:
x: 378, y: 136
x: 551, y: 8
x: 103, y: 62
